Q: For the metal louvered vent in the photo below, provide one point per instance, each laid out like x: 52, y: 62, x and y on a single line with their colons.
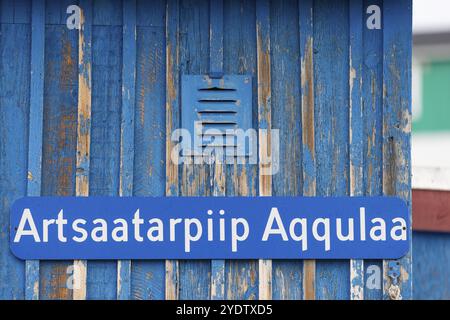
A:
x: 212, y: 108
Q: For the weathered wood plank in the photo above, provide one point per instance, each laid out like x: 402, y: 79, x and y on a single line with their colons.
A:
x: 53, y: 12
x: 56, y: 12
x: 373, y: 117
x: 6, y: 11
x: 286, y: 117
x: 264, y: 123
x: 148, y: 277
x: 151, y: 15
x: 83, y: 127
x: 127, y: 129
x: 308, y: 127
x: 105, y: 133
x: 107, y: 13
x: 35, y: 129
x: 397, y: 39
x: 172, y: 123
x: 60, y: 138
x: 218, y: 170
x: 431, y: 262
x: 356, y: 130
x: 215, y: 37
x: 331, y: 92
x: 195, y: 276
x: 218, y: 266
x: 22, y: 11
x: 218, y: 270
x: 15, y: 95
x: 240, y: 57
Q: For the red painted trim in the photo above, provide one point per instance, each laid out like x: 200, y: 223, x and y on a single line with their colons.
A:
x: 431, y: 210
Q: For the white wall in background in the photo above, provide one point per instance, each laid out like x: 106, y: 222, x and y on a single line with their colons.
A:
x: 431, y: 150
x: 431, y: 16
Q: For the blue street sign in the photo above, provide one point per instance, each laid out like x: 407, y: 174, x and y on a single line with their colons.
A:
x: 55, y: 228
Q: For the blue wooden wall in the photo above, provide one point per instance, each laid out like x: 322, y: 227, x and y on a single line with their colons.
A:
x: 89, y: 112
x: 431, y: 264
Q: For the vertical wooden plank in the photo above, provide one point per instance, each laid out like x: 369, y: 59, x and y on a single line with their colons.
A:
x: 218, y: 172
x: 218, y: 269
x: 286, y: 117
x: 172, y: 123
x: 308, y: 125
x: 240, y: 57
x: 107, y: 33
x: 127, y: 130
x: 22, y: 11
x: 265, y: 123
x: 83, y: 126
x: 397, y: 43
x: 15, y: 66
x: 356, y: 122
x: 54, y: 11
x: 35, y: 131
x: 151, y: 15
x: 373, y: 117
x: 331, y: 39
x: 195, y: 275
x: 107, y: 13
x: 148, y: 277
x: 59, y: 136
x: 436, y: 287
x: 218, y: 266
x: 216, y: 38
x: 7, y: 11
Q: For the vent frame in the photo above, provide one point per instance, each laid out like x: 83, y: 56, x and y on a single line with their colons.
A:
x: 218, y: 104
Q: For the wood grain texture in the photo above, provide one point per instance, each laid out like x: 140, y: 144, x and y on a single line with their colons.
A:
x: 15, y: 12
x: 60, y: 133
x: 264, y: 123
x: 397, y: 39
x: 172, y: 123
x: 22, y: 11
x: 331, y: 93
x: 127, y: 129
x: 15, y: 71
x: 35, y: 129
x: 218, y: 169
x: 195, y: 275
x: 56, y: 13
x: 7, y: 12
x: 218, y: 266
x: 148, y: 277
x: 372, y: 95
x: 286, y: 117
x: 83, y: 127
x: 306, y: 27
x: 216, y: 38
x: 240, y: 57
x: 105, y: 128
x: 356, y: 130
x: 433, y: 262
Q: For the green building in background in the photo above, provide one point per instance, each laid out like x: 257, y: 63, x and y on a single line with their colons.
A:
x: 431, y: 106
